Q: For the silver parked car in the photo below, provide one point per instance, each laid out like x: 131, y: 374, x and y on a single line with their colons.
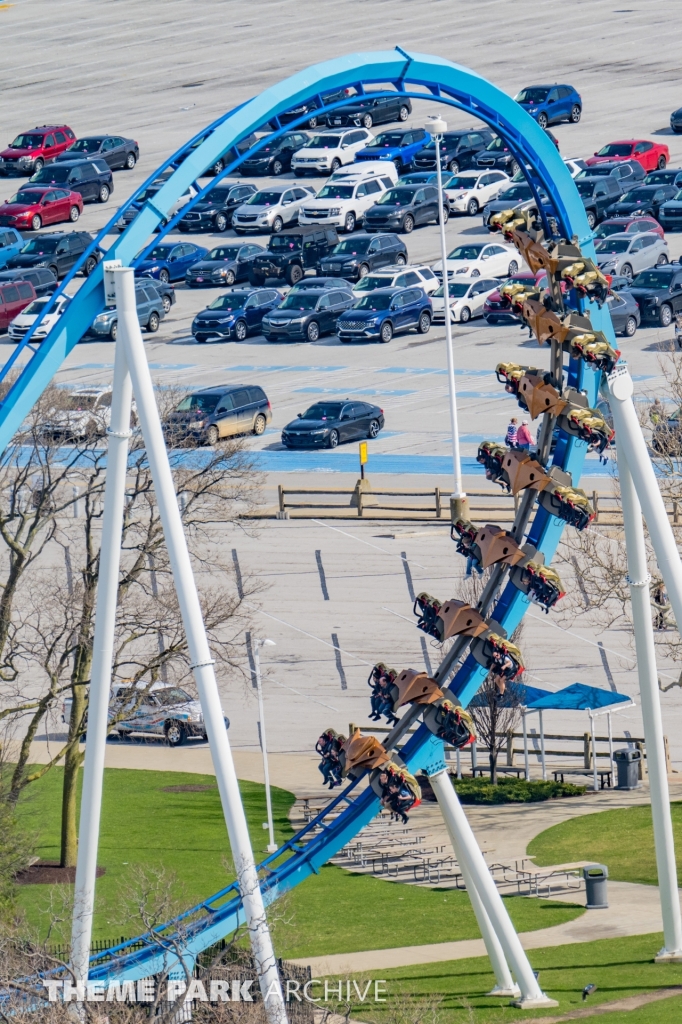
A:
x: 626, y: 254
x: 270, y: 209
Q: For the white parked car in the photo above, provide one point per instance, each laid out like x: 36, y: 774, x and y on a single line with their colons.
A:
x: 626, y: 254
x: 481, y: 259
x: 342, y: 203
x: 575, y: 166
x: 399, y: 276
x: 22, y: 323
x: 384, y: 169
x: 469, y: 191
x: 466, y: 297
x: 80, y: 412
x: 329, y: 150
x: 270, y: 209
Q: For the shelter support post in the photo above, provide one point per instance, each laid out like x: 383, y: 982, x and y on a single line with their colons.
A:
x: 593, y: 741
x: 525, y: 747
x: 542, y: 747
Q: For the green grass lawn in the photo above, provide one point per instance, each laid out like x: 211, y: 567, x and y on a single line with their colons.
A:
x: 619, y: 967
x: 333, y: 912
x: 622, y: 839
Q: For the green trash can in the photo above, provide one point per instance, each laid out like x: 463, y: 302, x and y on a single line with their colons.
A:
x: 595, y: 876
x: 627, y: 767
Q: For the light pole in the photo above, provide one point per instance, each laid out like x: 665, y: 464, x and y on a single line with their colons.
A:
x: 459, y: 505
x: 272, y: 845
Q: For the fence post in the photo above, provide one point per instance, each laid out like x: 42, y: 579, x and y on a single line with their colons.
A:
x: 676, y: 517
x: 595, y: 505
x: 510, y: 749
x: 643, y: 773
x: 439, y: 511
x: 359, y: 493
x: 280, y: 491
x: 587, y: 753
x: 668, y: 766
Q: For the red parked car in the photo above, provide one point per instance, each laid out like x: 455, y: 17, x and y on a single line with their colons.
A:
x: 651, y: 155
x: 31, y: 150
x: 33, y: 207
x: 628, y: 225
x: 14, y: 296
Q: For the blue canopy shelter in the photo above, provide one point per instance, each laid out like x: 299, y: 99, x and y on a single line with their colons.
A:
x: 576, y: 697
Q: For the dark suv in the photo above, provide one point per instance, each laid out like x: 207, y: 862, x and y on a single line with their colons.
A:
x: 598, y: 196
x: 44, y: 282
x: 214, y: 213
x: 217, y: 412
x: 306, y: 314
x: 292, y: 252
x: 497, y: 154
x: 458, y: 151
x: 355, y: 257
x: 367, y: 110
x: 659, y: 293
x: 275, y: 156
x: 92, y: 178
x: 33, y: 149
x: 58, y: 252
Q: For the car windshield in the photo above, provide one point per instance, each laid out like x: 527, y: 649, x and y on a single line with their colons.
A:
x: 27, y: 141
x: 397, y: 197
x: 300, y: 300
x: 533, y: 95
x: 78, y: 403
x: 615, y: 149
x: 653, y: 279
x: 352, y: 246
x: 217, y: 195
x: 171, y: 695
x: 324, y: 142
x: 636, y: 195
x: 604, y: 171
x: 517, y: 192
x: 456, y: 290
x: 461, y: 181
x: 371, y: 282
x: 284, y: 243
x: 233, y: 300
x: 385, y: 139
x: 160, y: 252
x: 86, y: 146
x: 323, y: 411
x: 335, y: 192
x: 55, y: 172
x: 26, y: 197
x: 264, y: 199
x: 202, y: 403
x: 496, y: 146
x: 148, y: 193
x: 40, y: 246
x: 418, y: 178
x: 229, y: 252
x: 465, y: 252
x: 613, y: 245
x: 585, y: 188
x: 35, y: 307
x: 605, y: 229
x: 661, y: 178
x: 376, y: 302
x: 447, y: 142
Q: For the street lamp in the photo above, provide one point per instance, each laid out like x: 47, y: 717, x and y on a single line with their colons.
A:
x: 257, y: 644
x: 458, y: 499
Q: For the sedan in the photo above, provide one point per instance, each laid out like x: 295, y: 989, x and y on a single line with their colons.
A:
x: 403, y: 208
x: 650, y: 155
x: 489, y: 260
x: 223, y: 265
x: 117, y: 152
x: 676, y: 121
x: 627, y: 255
x: 385, y: 312
x: 466, y: 298
x: 307, y: 315
x: 470, y: 191
x: 628, y: 225
x: 169, y: 262
x: 31, y: 208
x: 275, y: 156
x: 325, y: 424
x: 270, y: 209
x: 367, y: 110
x: 644, y: 199
x: 625, y: 314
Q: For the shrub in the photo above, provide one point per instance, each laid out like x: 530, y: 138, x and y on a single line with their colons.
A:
x: 512, y: 790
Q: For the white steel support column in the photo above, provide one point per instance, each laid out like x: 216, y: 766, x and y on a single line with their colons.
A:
x: 457, y: 825
x: 272, y: 845
x: 204, y: 677
x: 103, y: 645
x: 651, y: 713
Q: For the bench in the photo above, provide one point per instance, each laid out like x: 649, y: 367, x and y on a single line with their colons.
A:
x: 604, y: 774
x: 506, y: 770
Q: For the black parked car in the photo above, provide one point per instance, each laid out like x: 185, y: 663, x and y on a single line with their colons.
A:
x: 307, y: 314
x: 58, y: 252
x: 325, y: 424
x: 625, y: 314
x: 275, y: 157
x: 644, y: 199
x: 403, y: 208
x: 223, y: 265
x: 676, y: 121
x: 214, y: 213
x: 44, y: 281
x: 367, y: 110
x: 312, y: 107
x: 117, y: 152
x: 598, y: 196
x: 292, y: 252
x: 92, y: 178
x: 498, y: 155
x: 458, y: 150
x: 659, y: 293
x: 235, y: 314
x: 355, y: 257
x: 666, y: 176
x: 627, y: 171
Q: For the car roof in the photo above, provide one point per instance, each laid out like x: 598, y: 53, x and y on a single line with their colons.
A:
x: 221, y: 389
x: 91, y: 390
x: 625, y: 235
x: 398, y: 268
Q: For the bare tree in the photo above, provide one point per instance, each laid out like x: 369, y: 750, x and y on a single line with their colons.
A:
x: 495, y: 715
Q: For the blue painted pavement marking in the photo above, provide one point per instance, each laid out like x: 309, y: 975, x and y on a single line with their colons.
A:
x: 345, y: 391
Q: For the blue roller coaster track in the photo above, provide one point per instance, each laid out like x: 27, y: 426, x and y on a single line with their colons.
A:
x: 32, y: 367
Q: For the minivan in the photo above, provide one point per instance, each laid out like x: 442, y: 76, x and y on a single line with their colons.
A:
x: 218, y: 412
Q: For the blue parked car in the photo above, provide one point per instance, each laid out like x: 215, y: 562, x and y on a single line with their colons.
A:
x: 400, y: 145
x: 170, y: 261
x: 385, y: 312
x: 10, y: 244
x: 549, y: 104
x: 235, y: 314
x: 419, y: 178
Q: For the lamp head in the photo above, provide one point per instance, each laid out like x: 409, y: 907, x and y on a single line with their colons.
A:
x: 436, y: 125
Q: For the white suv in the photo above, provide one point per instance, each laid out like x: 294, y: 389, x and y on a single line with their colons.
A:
x: 329, y: 150
x: 270, y: 209
x: 399, y: 276
x: 79, y: 413
x: 385, y: 169
x: 342, y: 203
